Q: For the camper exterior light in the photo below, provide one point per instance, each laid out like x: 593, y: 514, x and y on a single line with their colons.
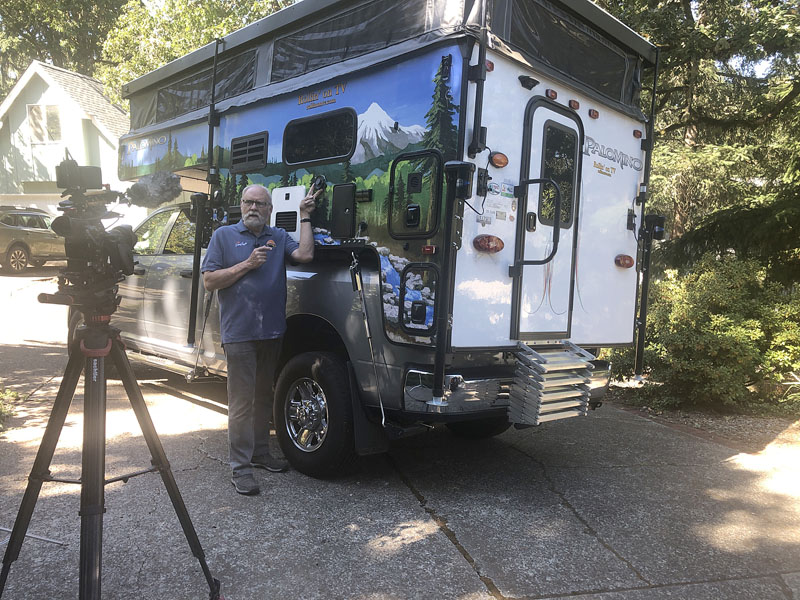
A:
x: 552, y: 94
x: 490, y: 244
x: 623, y: 260
x: 498, y: 160
x: 594, y: 114
x: 574, y: 104
x: 637, y: 133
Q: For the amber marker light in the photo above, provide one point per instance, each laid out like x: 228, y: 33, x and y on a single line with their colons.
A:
x: 552, y: 94
x: 489, y: 66
x: 637, y: 134
x: 574, y: 104
x: 594, y: 114
x: 488, y: 243
x: 498, y: 160
x: 624, y: 261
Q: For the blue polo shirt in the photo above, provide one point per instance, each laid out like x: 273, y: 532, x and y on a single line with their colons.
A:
x: 253, y: 308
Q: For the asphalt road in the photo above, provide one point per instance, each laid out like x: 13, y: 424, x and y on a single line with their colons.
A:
x: 611, y: 507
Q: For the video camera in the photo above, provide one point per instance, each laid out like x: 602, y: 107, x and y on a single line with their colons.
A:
x: 96, y: 259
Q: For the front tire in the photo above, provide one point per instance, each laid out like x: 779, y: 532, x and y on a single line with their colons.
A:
x: 17, y: 259
x: 314, y: 414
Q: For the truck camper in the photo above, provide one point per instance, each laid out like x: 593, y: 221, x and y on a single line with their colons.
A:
x: 482, y: 229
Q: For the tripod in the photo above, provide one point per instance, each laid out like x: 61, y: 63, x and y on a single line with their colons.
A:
x: 93, y: 343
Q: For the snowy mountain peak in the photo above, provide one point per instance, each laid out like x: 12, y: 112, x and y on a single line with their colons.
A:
x: 377, y: 134
x: 375, y: 114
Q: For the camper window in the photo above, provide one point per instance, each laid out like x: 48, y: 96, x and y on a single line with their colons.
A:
x: 234, y: 76
x: 559, y: 157
x: 330, y: 137
x: 559, y: 41
x: 364, y: 29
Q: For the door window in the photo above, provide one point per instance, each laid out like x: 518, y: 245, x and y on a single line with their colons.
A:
x: 415, y: 190
x: 559, y: 160
x: 150, y: 232
x: 181, y: 238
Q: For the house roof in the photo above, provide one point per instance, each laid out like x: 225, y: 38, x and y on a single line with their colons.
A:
x: 85, y: 91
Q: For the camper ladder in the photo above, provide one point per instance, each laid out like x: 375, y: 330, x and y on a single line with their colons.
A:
x: 549, y: 383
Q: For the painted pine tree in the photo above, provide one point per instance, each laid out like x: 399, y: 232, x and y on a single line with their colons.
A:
x: 442, y: 132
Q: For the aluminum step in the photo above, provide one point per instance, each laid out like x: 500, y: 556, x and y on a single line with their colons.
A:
x: 550, y: 383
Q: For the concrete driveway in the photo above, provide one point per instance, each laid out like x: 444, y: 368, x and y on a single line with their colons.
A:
x: 611, y: 507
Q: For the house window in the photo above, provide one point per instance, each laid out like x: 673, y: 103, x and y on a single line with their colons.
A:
x: 44, y: 122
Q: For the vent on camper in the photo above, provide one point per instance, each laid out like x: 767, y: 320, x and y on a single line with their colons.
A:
x: 286, y: 221
x: 249, y: 153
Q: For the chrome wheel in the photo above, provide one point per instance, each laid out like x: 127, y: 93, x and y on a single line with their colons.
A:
x: 17, y: 259
x: 306, y: 416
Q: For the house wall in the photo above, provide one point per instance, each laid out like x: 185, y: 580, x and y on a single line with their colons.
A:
x: 30, y: 167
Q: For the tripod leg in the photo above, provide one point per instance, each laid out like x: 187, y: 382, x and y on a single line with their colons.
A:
x: 159, y: 459
x: 93, y: 469
x: 41, y: 465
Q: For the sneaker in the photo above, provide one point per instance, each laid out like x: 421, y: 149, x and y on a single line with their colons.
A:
x: 270, y: 463
x: 245, y: 485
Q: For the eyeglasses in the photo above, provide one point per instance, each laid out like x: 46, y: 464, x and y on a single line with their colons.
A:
x: 256, y: 203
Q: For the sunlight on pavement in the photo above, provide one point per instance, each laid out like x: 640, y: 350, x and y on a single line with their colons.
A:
x: 773, y: 512
x: 403, y: 535
x: 779, y: 463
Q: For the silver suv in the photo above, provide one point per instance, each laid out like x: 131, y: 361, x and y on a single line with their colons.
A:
x: 26, y: 238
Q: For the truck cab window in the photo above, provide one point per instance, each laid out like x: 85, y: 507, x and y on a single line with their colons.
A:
x: 150, y: 232
x: 181, y: 238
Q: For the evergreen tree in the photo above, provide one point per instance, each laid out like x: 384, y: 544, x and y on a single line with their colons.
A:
x: 399, y: 201
x: 228, y: 189
x: 442, y: 132
x: 347, y: 173
x: 243, y: 183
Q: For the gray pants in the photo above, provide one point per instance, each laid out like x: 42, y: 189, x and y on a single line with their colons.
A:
x: 251, y: 369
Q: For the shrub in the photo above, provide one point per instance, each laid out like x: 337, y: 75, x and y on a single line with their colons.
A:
x: 6, y: 409
x: 722, y: 335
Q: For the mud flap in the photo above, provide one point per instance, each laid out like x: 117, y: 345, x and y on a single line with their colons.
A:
x: 369, y: 437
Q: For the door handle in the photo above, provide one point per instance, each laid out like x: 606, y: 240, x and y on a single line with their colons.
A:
x: 516, y: 269
x: 530, y: 222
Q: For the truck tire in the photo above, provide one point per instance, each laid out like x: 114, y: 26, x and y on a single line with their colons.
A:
x: 314, y: 414
x: 479, y: 428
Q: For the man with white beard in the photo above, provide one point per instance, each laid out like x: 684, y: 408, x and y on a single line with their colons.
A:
x: 246, y: 263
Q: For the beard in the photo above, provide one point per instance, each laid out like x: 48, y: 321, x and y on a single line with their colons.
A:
x: 253, y: 220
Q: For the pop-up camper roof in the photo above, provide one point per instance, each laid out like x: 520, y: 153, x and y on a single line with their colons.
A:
x: 572, y: 38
